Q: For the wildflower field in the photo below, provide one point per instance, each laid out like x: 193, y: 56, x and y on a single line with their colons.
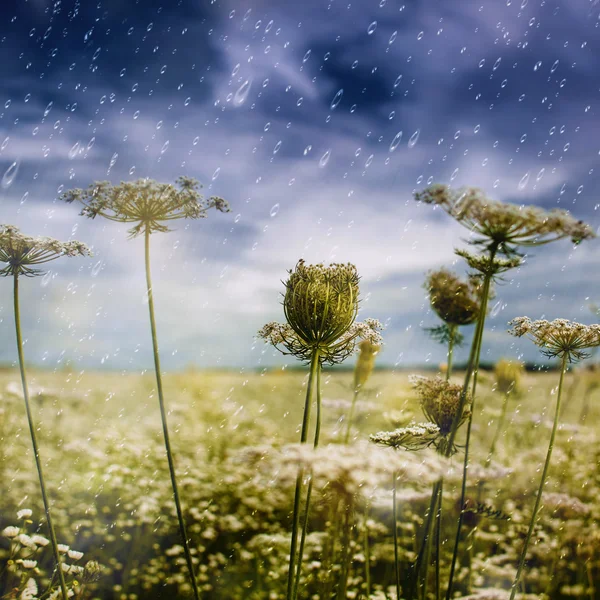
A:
x: 235, y: 439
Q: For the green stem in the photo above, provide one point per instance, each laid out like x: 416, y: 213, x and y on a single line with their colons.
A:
x: 367, y: 548
x: 395, y: 528
x: 163, y: 414
x: 309, y: 489
x: 346, y: 550
x: 472, y: 370
x: 351, y: 415
x: 438, y: 538
x: 426, y: 539
x: 542, y: 481
x: 36, y: 452
x: 450, y: 351
x: 488, y: 460
x: 314, y: 368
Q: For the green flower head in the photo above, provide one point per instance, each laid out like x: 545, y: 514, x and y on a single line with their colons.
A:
x: 145, y: 202
x: 455, y: 301
x: 22, y: 254
x: 320, y: 305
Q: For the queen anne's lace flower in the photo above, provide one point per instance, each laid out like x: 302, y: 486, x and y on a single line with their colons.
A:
x: 320, y: 306
x: 486, y: 265
x: 145, y: 202
x: 558, y: 338
x: 503, y: 225
x: 23, y: 253
x: 414, y: 437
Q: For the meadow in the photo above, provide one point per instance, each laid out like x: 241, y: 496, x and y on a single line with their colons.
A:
x: 235, y: 441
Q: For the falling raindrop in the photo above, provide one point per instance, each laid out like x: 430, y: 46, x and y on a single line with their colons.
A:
x: 96, y: 268
x: 216, y: 173
x: 372, y: 27
x: 414, y: 138
x: 164, y: 147
x: 10, y: 174
x: 396, y: 141
x: 242, y: 93
x: 524, y: 181
x: 325, y: 159
x: 274, y: 210
x: 307, y: 149
x: 337, y: 98
x: 46, y: 279
x: 277, y: 146
x: 496, y: 309
x: 74, y: 150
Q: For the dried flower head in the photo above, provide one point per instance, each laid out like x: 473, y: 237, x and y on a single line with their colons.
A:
x: 484, y: 264
x: 558, y: 338
x: 365, y: 362
x: 145, y: 202
x: 22, y: 253
x: 440, y: 401
x: 414, y: 437
x: 508, y: 375
x: 455, y: 301
x: 320, y: 306
x: 502, y: 225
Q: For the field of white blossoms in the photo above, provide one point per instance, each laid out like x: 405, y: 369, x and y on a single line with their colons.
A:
x: 235, y: 442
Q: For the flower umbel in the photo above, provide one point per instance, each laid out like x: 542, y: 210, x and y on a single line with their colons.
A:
x: 503, y: 225
x: 414, y: 437
x: 145, y: 202
x: 558, y: 338
x: 22, y: 253
x: 320, y: 306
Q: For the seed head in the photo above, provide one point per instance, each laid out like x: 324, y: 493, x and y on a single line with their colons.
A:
x: 414, y: 437
x: 23, y: 253
x: 145, y: 202
x: 440, y: 401
x: 508, y: 376
x: 558, y: 338
x: 320, y: 306
x: 455, y: 301
x: 502, y: 225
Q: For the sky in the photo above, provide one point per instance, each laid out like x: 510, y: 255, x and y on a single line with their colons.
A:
x: 317, y: 121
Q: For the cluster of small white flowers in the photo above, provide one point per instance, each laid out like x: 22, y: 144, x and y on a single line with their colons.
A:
x: 413, y: 437
x: 490, y: 266
x: 559, y: 337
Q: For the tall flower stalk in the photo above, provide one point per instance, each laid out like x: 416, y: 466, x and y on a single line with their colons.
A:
x: 567, y: 341
x: 320, y: 306
x: 499, y: 229
x: 150, y: 206
x: 23, y: 255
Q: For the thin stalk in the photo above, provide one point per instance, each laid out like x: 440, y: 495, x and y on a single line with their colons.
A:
x: 438, y: 538
x: 367, y: 549
x: 450, y: 351
x: 346, y: 550
x: 36, y: 452
x: 351, y: 415
x: 395, y: 528
x: 472, y: 370
x: 425, y: 541
x: 542, y: 481
x: 309, y: 489
x: 163, y: 415
x: 314, y: 368
x: 488, y: 460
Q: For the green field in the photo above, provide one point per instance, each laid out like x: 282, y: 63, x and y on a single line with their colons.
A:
x: 235, y: 440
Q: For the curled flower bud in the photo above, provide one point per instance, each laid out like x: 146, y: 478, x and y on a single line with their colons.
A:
x: 455, y: 301
x: 320, y: 306
x: 145, y: 202
x: 508, y: 375
x: 502, y: 225
x: 440, y: 402
x: 558, y: 338
x: 91, y: 571
x: 23, y: 253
